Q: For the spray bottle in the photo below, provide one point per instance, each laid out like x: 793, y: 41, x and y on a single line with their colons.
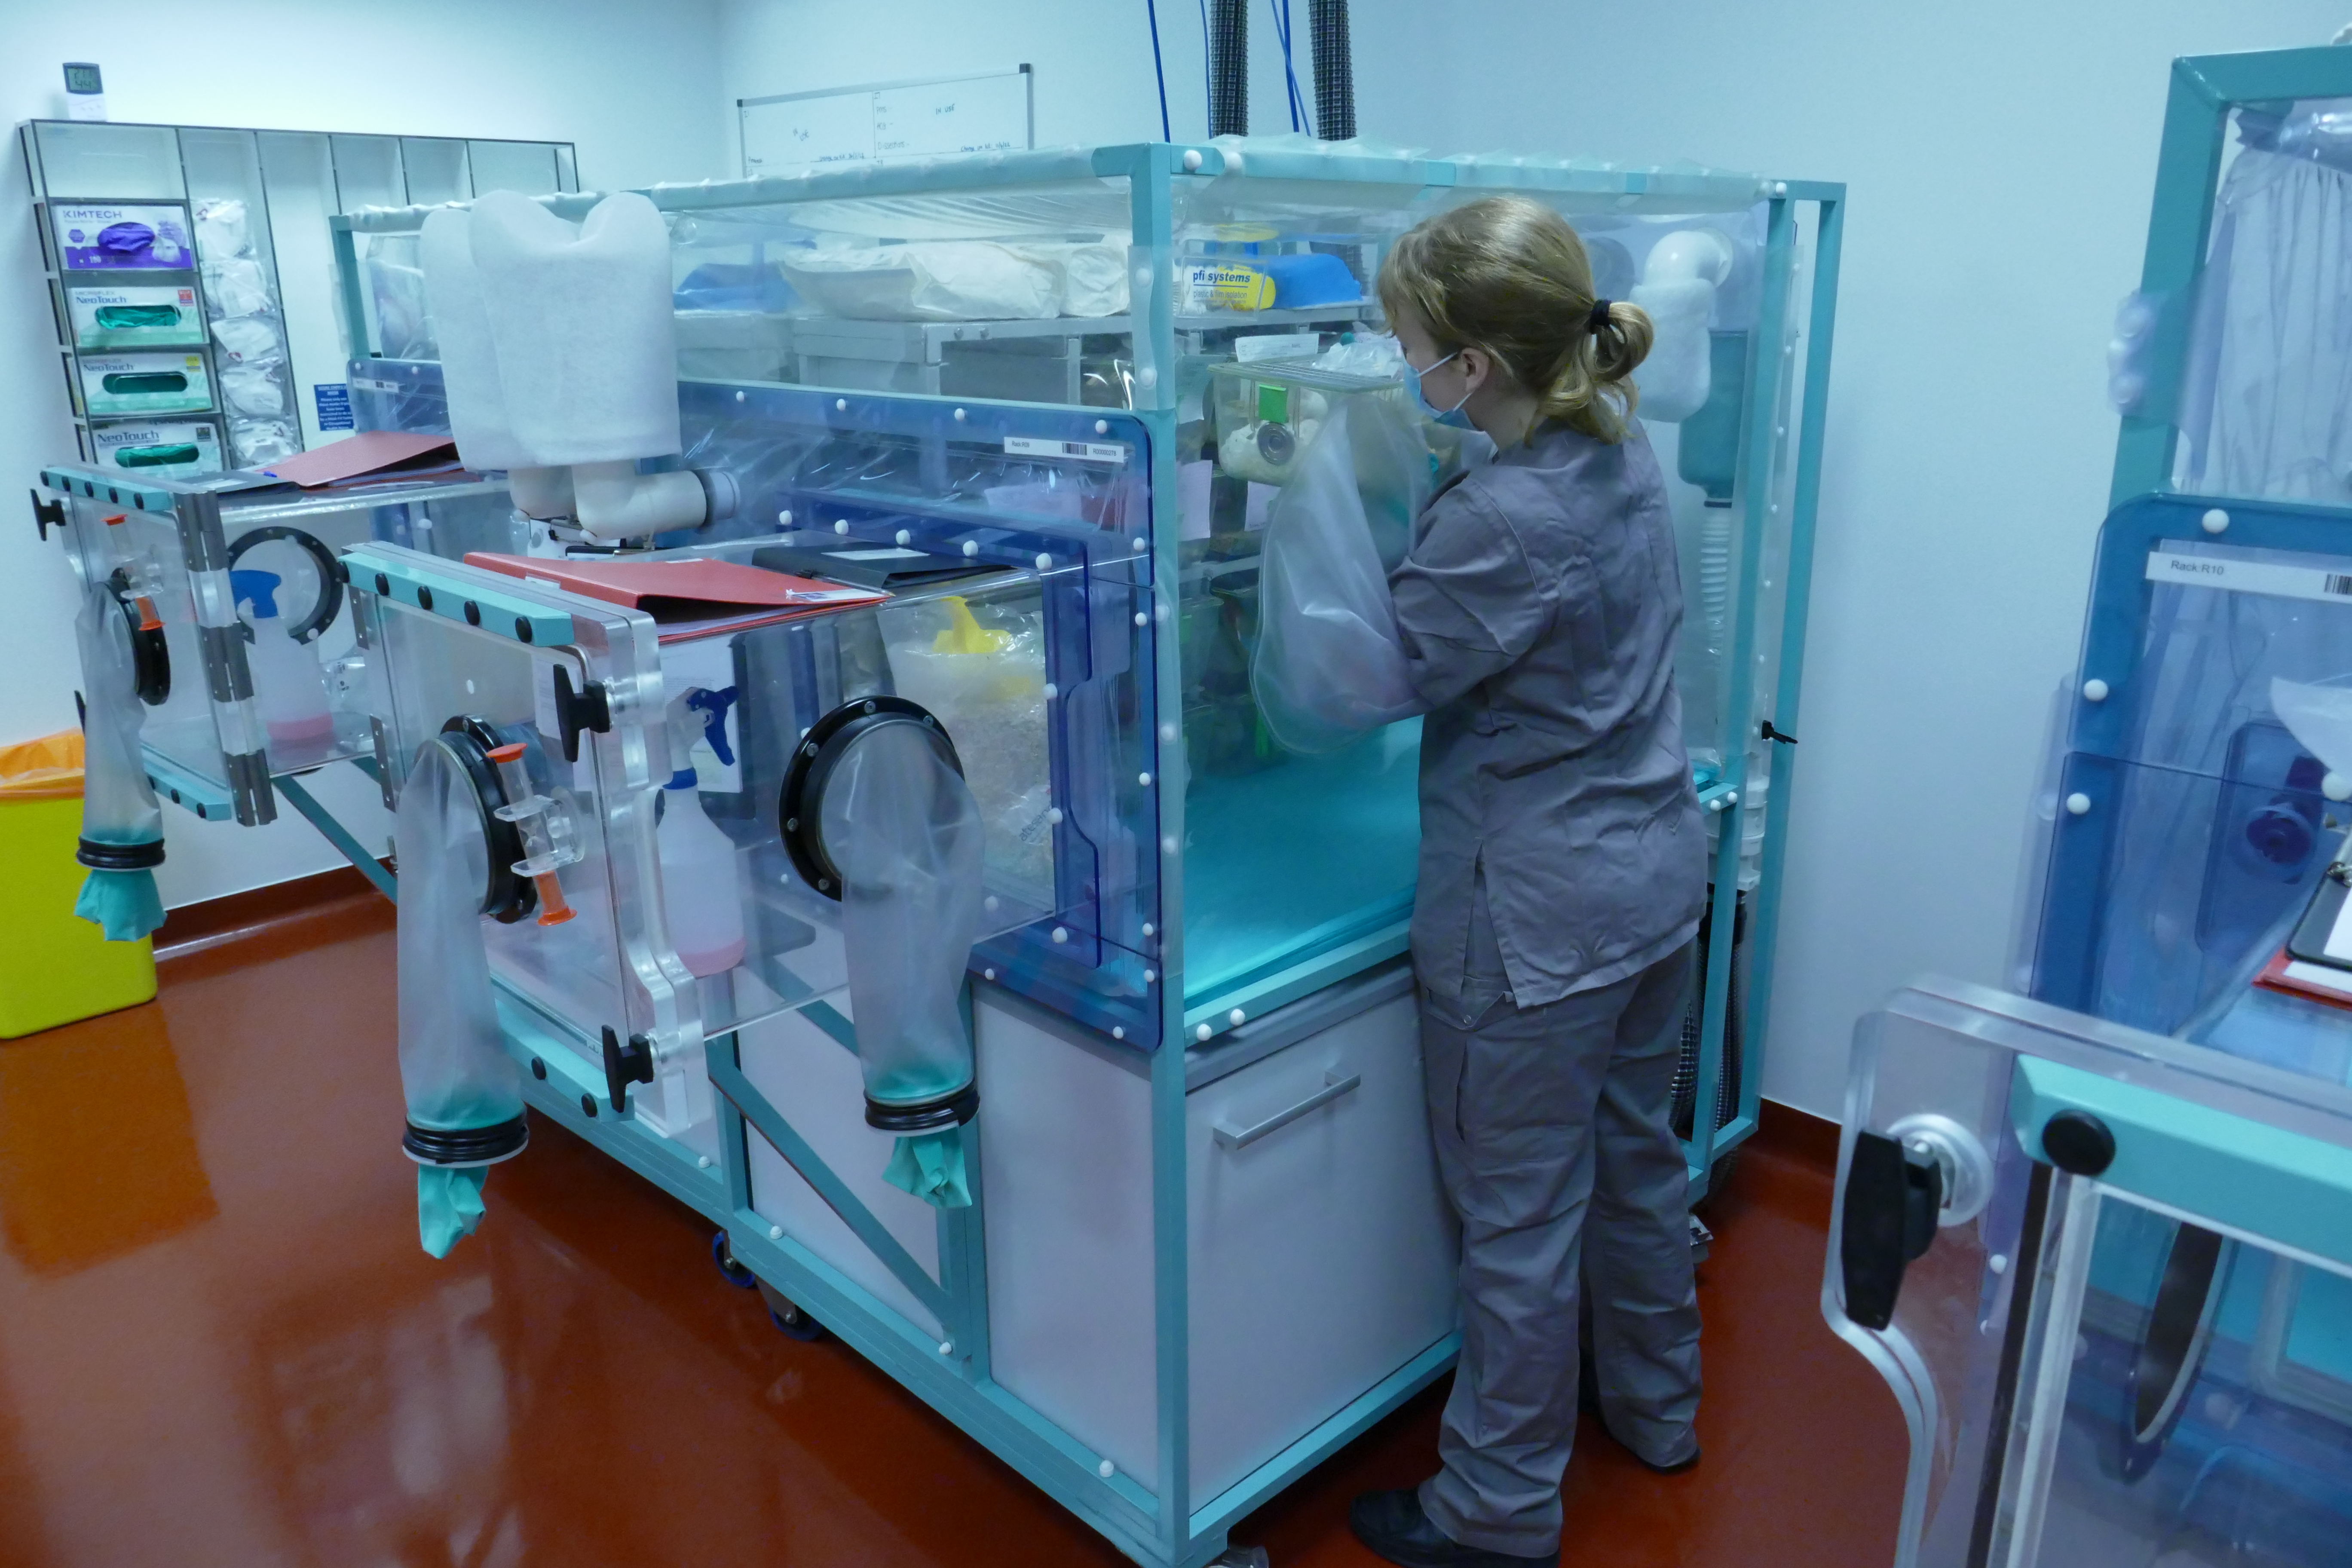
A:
x: 697, y: 861
x: 288, y: 686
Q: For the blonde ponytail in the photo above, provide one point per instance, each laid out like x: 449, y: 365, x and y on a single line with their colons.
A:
x: 1508, y: 275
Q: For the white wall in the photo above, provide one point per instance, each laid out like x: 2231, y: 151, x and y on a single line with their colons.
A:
x: 630, y: 83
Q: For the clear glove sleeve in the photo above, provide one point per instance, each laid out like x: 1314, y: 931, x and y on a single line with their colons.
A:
x: 902, y: 827
x: 464, y: 1094
x: 119, y: 809
x: 1328, y: 665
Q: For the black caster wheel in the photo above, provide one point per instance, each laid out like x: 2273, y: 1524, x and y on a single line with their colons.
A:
x: 791, y: 1321
x: 734, y: 1273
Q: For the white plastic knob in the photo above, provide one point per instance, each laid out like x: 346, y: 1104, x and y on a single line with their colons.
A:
x: 1061, y: 934
x: 842, y: 527
x: 1053, y: 816
x: 961, y: 415
x: 784, y: 517
x: 1102, y: 426
x: 775, y: 1233
x: 1201, y: 1033
x: 1107, y: 1469
x: 1044, y: 561
x: 947, y: 1347
x: 988, y: 974
x: 738, y: 397
x: 1148, y: 928
x: 2216, y: 519
x: 1149, y: 976
x: 902, y: 537
x: 1143, y: 779
x: 1118, y: 1031
x: 2336, y: 786
x: 971, y: 547
x: 1168, y: 845
x: 1052, y: 691
x: 1192, y: 160
x: 841, y: 404
x: 2077, y: 804
x: 2094, y: 690
x: 1141, y: 545
x: 1141, y: 619
x: 1235, y: 1017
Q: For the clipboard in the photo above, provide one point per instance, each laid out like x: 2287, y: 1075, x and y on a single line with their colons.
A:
x: 2320, y: 918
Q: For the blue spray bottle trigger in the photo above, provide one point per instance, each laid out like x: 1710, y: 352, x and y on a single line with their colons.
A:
x: 713, y: 706
x: 250, y: 583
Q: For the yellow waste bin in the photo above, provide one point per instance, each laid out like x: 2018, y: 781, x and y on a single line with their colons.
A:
x: 55, y: 967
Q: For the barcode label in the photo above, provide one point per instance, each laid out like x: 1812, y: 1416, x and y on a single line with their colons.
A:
x: 2235, y: 574
x: 1084, y: 451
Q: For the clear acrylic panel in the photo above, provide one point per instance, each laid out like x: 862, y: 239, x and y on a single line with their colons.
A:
x: 2185, y: 840
x: 368, y: 172
x: 436, y: 170
x: 2091, y: 1377
x: 82, y: 160
x: 530, y: 167
x: 691, y: 917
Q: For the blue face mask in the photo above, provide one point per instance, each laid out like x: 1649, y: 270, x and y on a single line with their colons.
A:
x: 1454, y: 415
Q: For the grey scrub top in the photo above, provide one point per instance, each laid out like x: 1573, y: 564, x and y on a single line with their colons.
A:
x: 1539, y: 609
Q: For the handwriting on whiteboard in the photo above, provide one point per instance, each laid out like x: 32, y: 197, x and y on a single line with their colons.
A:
x: 891, y: 120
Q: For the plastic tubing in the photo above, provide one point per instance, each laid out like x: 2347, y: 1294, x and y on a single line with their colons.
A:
x: 616, y: 501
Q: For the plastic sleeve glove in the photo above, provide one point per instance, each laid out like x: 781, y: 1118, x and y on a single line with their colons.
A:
x: 1329, y: 664
x: 448, y: 1204
x: 930, y: 1166
x: 117, y: 804
x: 123, y: 904
x: 904, y: 830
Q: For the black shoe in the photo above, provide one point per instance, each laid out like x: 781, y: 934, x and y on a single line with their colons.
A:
x: 1393, y: 1526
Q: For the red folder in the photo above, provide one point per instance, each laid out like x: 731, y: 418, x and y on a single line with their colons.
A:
x: 681, y: 589
x: 2315, y: 980
x: 364, y: 453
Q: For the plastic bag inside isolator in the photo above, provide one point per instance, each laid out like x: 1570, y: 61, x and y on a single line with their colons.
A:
x: 454, y: 1070
x: 1329, y: 664
x: 904, y: 831
x: 117, y: 804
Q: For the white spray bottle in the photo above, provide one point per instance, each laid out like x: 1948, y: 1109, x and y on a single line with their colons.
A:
x: 699, y: 886
x: 288, y: 686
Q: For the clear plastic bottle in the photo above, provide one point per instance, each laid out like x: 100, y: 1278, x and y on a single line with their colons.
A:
x: 700, y: 890
x: 289, y: 686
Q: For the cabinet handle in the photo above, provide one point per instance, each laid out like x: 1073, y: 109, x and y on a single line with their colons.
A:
x: 1334, y: 1085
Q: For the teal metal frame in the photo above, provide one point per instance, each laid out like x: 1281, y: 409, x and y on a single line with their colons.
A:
x: 1163, y: 1522
x: 2205, y: 90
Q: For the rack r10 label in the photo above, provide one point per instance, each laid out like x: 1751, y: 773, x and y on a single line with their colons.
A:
x: 1084, y: 451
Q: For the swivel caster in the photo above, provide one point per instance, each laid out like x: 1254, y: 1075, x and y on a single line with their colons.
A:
x: 786, y: 1314
x: 734, y: 1273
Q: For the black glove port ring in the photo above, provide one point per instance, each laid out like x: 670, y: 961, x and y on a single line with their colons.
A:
x: 151, y: 655
x: 506, y: 896
x: 330, y: 584
x: 801, y: 808
x: 2172, y: 1344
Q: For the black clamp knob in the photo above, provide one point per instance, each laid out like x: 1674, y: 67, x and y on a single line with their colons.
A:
x: 1893, y: 1200
x: 626, y: 1062
x: 1782, y: 736
x: 2078, y: 1144
x: 585, y: 708
x: 47, y: 514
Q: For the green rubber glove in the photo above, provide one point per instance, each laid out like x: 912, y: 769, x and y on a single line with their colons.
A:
x: 123, y: 904
x: 930, y: 1166
x: 448, y: 1204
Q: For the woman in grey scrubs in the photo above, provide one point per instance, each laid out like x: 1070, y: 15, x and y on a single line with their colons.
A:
x: 1562, y: 879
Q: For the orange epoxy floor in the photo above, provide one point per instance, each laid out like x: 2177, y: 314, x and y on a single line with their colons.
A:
x: 220, y: 1344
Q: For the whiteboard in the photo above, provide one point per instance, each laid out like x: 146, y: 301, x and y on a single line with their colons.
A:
x: 989, y: 113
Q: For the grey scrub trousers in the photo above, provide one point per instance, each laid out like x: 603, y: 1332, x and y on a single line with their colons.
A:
x: 1562, y: 879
